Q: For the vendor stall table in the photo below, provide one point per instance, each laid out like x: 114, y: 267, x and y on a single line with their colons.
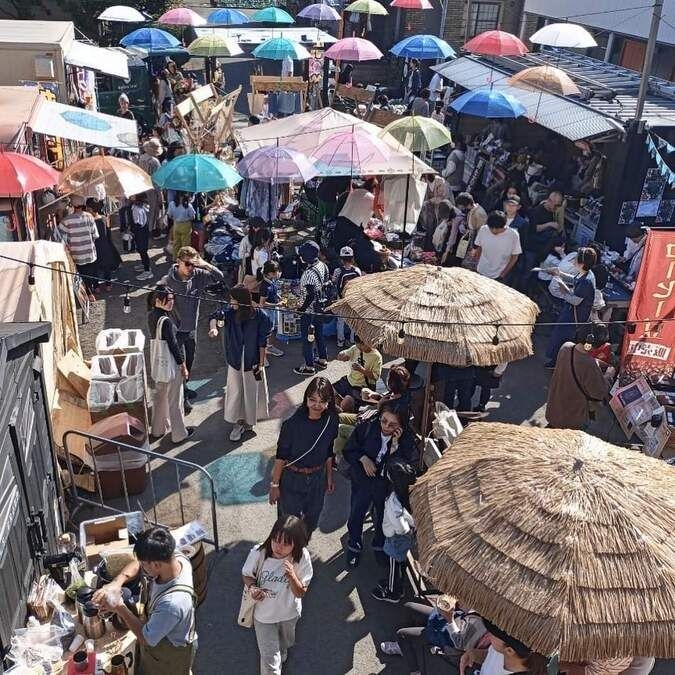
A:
x: 617, y: 296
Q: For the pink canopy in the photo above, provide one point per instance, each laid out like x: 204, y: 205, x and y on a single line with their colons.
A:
x: 276, y: 164
x: 356, y: 150
x: 353, y: 49
x: 181, y: 16
x: 412, y: 4
x: 495, y: 43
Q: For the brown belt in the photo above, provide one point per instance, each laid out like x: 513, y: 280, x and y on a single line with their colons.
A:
x: 303, y: 470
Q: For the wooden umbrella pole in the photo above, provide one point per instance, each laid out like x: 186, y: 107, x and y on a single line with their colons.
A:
x: 424, y: 426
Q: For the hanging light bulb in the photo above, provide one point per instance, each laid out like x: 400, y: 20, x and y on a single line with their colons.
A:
x: 401, y: 334
x: 495, y: 339
x: 310, y: 333
x: 126, y: 306
x: 31, y: 278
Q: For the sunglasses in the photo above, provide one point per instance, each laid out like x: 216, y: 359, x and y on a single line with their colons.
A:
x: 188, y: 263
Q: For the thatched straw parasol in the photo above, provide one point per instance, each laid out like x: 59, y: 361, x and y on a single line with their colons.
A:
x: 377, y: 306
x: 564, y: 541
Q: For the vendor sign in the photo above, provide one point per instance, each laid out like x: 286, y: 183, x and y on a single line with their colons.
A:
x: 650, y: 349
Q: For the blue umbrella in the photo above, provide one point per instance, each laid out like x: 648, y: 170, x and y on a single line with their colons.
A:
x: 488, y: 103
x: 151, y: 39
x: 423, y: 47
x: 195, y: 173
x: 272, y: 15
x: 227, y: 17
x: 279, y: 48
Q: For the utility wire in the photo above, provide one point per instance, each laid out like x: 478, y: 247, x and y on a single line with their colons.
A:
x: 330, y: 315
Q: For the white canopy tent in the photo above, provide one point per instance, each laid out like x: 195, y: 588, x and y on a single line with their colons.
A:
x: 99, y: 59
x: 306, y: 131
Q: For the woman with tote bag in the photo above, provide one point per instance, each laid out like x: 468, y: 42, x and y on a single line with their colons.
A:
x: 276, y: 577
x: 167, y: 368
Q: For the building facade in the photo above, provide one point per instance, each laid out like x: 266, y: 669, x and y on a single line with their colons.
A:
x: 620, y: 27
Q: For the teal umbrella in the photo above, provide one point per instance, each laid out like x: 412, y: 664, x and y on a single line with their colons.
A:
x: 272, y: 15
x: 279, y: 48
x: 195, y: 173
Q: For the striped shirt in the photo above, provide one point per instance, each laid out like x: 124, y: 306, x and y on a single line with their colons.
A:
x: 314, y: 277
x: 79, y: 234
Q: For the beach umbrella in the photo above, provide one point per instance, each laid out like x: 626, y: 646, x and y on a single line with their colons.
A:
x: 353, y: 149
x: 227, y: 17
x: 353, y: 49
x: 564, y: 35
x: 275, y: 164
x: 495, y: 43
x: 280, y: 48
x: 272, y: 15
x: 21, y: 174
x: 119, y: 177
x: 367, y: 7
x: 196, y: 173
x: 545, y: 77
x: 319, y: 12
x: 152, y: 39
x: 181, y: 16
x: 417, y: 133
x: 214, y: 45
x: 488, y: 103
x: 562, y: 540
x: 411, y: 4
x: 423, y: 47
x: 440, y: 315
x: 122, y: 14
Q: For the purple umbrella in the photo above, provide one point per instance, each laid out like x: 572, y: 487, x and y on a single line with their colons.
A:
x: 274, y: 164
x: 319, y: 12
x: 350, y: 153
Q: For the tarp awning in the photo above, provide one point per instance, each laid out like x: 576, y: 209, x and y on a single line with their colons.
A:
x: 306, y: 131
x: 98, y: 58
x: 18, y: 108
x: 86, y: 126
x: 569, y: 118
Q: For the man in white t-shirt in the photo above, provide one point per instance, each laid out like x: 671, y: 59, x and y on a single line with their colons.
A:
x: 497, y: 248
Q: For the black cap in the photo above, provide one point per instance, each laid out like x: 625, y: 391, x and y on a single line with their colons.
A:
x: 518, y: 647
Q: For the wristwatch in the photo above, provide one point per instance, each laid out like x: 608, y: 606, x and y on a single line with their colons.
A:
x: 274, y: 485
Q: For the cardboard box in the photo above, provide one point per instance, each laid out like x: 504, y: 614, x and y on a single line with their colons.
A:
x: 76, y: 371
x: 108, y: 533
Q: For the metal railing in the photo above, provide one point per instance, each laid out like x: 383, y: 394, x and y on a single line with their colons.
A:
x: 81, y: 497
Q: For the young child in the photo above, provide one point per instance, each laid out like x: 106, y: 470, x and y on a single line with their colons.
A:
x: 346, y: 272
x: 270, y: 299
x: 262, y: 249
x: 600, y: 348
x: 398, y: 526
x: 366, y: 370
x: 140, y: 211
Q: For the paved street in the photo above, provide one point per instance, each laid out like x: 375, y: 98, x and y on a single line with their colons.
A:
x: 342, y: 625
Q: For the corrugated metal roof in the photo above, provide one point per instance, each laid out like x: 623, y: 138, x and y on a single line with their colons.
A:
x: 562, y: 115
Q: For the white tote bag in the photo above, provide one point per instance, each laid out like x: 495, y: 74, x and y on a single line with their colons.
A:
x: 162, y: 363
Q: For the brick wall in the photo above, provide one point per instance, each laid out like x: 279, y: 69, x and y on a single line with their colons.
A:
x: 530, y: 27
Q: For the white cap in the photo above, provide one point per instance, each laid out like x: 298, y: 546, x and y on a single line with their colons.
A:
x: 346, y: 252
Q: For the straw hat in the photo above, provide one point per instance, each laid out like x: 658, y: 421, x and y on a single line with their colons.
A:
x: 153, y: 147
x: 562, y: 540
x: 425, y: 300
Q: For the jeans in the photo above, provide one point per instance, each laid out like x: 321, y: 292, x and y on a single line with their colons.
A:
x: 559, y: 336
x: 141, y: 237
x: 364, y: 493
x: 341, y: 332
x: 458, y: 384
x: 302, y: 495
x: 319, y: 340
x: 524, y: 266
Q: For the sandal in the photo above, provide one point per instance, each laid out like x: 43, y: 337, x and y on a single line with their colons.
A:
x: 304, y: 370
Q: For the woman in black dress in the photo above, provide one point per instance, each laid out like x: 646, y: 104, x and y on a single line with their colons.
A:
x: 107, y: 257
x: 303, y: 467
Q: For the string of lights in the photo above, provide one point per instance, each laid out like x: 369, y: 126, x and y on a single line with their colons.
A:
x: 129, y: 287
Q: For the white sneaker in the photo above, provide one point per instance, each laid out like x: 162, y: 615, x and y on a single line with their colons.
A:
x: 236, y: 433
x: 145, y: 276
x: 390, y: 648
x: 274, y: 351
x: 138, y: 268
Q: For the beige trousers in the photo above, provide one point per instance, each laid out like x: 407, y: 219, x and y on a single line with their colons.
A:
x: 167, y: 409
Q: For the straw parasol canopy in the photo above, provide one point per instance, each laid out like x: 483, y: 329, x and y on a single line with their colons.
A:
x: 447, y: 315
x: 562, y: 540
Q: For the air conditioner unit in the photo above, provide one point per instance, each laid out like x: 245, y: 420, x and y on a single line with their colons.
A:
x: 44, y: 67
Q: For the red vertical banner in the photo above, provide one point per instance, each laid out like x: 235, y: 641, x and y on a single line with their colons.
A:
x: 650, y: 349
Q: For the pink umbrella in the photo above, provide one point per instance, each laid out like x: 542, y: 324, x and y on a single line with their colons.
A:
x: 350, y: 150
x: 495, y: 43
x: 412, y: 4
x: 274, y: 164
x: 181, y: 16
x: 353, y: 49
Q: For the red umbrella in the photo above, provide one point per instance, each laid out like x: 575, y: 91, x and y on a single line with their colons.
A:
x: 21, y: 174
x: 495, y: 43
x: 412, y: 4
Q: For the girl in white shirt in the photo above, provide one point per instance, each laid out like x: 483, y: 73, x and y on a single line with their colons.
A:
x: 277, y: 573
x: 262, y: 250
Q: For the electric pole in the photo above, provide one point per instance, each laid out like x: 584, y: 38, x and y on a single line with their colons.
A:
x: 649, y: 59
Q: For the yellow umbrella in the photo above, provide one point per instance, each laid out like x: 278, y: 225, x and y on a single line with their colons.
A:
x: 418, y: 133
x: 213, y: 45
x: 545, y: 77
x: 119, y: 177
x: 367, y: 7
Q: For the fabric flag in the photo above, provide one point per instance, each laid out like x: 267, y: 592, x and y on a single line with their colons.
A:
x: 650, y: 349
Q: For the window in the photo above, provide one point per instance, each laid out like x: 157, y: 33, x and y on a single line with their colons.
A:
x: 484, y: 16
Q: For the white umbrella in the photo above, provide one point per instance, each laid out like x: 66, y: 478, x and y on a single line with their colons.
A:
x: 123, y: 14
x: 564, y: 35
